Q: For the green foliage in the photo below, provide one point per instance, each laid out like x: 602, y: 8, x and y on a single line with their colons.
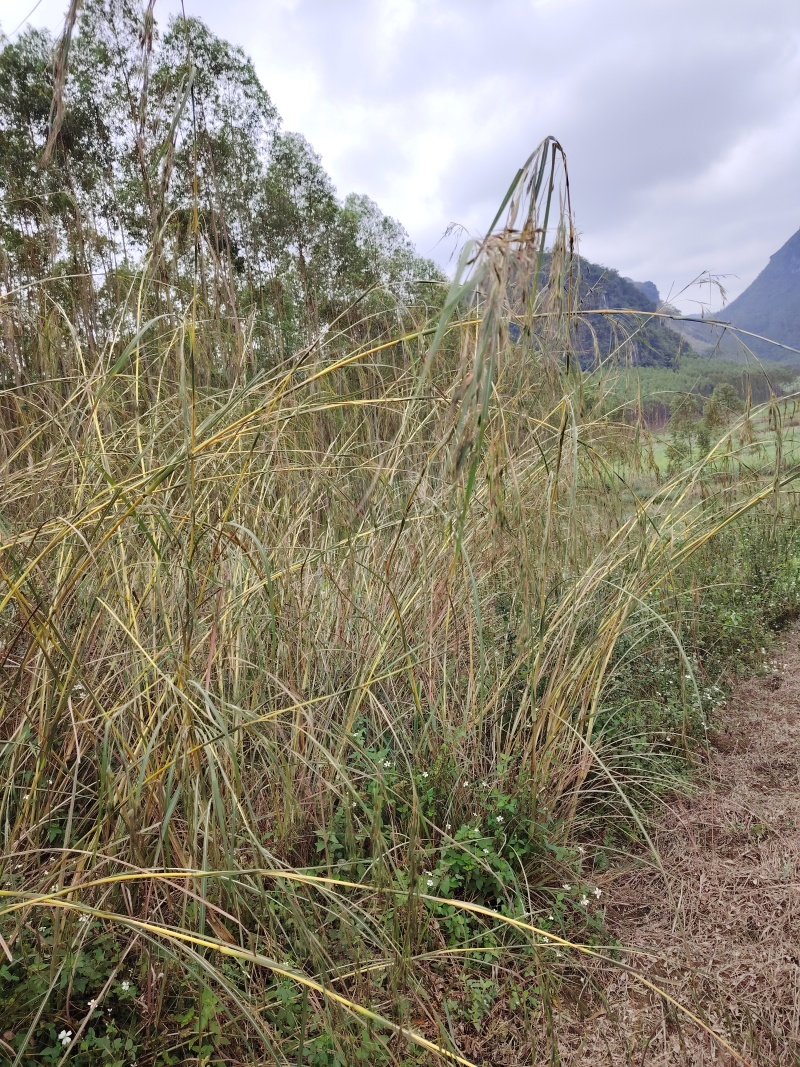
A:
x: 721, y: 406
x: 737, y: 593
x: 70, y: 966
x: 654, y: 392
x: 170, y: 160
x: 748, y: 588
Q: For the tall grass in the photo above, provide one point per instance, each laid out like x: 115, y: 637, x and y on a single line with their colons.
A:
x: 304, y: 678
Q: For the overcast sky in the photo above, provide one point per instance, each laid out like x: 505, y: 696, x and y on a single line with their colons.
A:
x: 680, y: 118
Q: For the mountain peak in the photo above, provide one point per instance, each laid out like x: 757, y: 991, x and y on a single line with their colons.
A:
x: 789, y: 254
x: 770, y: 306
x: 650, y: 290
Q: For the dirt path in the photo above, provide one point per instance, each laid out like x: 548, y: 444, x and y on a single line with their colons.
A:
x: 727, y: 933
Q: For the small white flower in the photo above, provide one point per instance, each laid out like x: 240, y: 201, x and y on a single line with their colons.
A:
x: 92, y: 1004
x: 485, y: 785
x: 566, y: 886
x: 550, y: 917
x: 430, y: 882
x: 475, y: 815
x: 448, y: 827
x: 424, y: 774
x: 83, y: 919
x: 65, y: 1037
x: 499, y: 818
x: 584, y: 901
x: 597, y: 891
x: 581, y: 849
x: 466, y: 783
x: 387, y: 763
x: 486, y: 852
x: 27, y: 797
x: 125, y: 986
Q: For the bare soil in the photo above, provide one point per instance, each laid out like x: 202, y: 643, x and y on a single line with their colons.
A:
x: 724, y: 925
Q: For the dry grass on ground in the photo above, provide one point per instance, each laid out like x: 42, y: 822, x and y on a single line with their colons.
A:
x: 726, y: 928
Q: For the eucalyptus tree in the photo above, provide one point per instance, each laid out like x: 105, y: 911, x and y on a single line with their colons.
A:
x: 50, y: 217
x: 169, y: 165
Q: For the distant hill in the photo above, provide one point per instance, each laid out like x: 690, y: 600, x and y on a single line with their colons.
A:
x: 637, y: 340
x: 770, y: 306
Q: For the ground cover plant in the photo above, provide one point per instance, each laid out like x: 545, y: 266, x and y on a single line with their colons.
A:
x: 333, y: 673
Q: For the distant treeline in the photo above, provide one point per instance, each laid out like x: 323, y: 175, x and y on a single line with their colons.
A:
x: 656, y: 392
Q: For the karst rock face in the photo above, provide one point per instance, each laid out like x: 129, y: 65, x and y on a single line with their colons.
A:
x: 771, y: 305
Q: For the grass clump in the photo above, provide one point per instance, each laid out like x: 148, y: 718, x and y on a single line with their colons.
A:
x: 315, y: 684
